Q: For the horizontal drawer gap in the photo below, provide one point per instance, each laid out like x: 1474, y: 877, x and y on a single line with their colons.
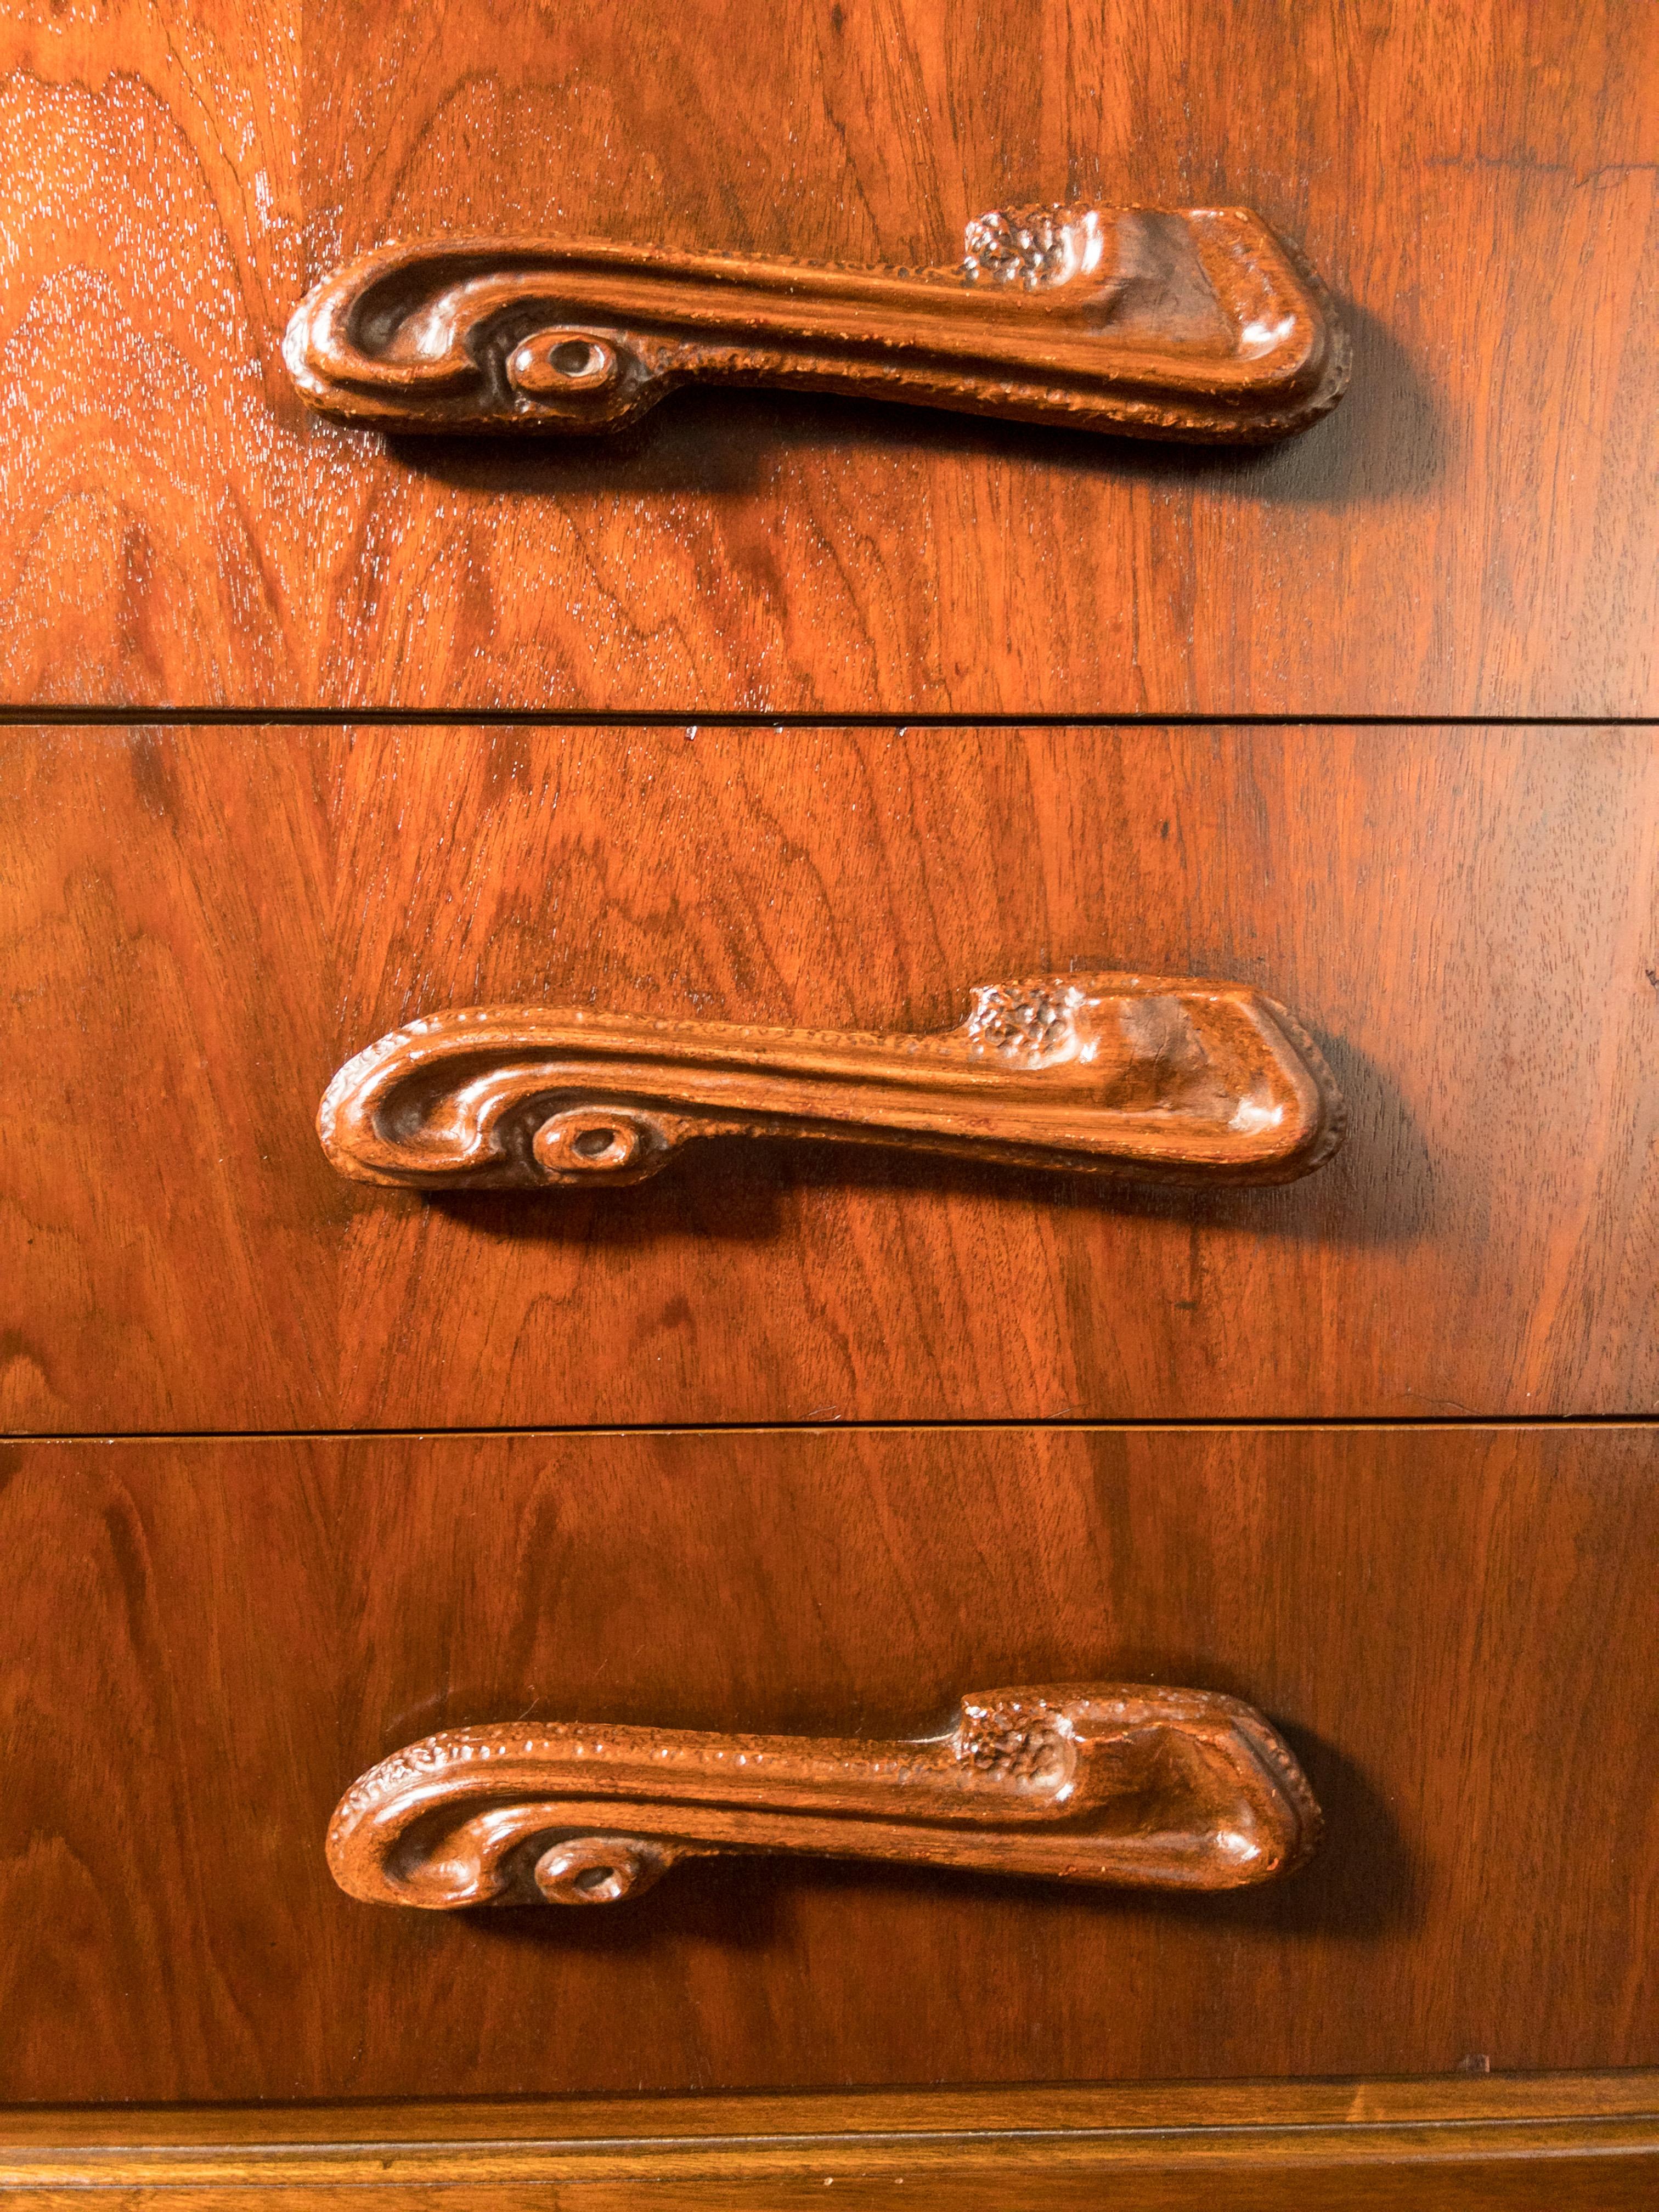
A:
x: 826, y: 1426
x: 252, y: 717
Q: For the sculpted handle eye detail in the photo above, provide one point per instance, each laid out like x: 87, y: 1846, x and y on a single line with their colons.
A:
x: 1161, y: 323
x: 1139, y: 1076
x: 1086, y: 1782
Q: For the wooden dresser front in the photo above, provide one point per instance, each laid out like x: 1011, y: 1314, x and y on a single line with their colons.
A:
x: 955, y: 1049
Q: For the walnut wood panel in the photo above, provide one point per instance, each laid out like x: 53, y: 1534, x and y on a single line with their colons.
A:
x: 1468, y: 533
x: 1127, y: 1784
x: 1152, y: 1078
x: 1526, y: 2140
x: 202, y: 925
x: 1192, y: 324
x: 1451, y: 1628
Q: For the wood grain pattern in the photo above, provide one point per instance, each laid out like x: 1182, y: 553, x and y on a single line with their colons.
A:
x: 1196, y: 324
x: 1469, y: 532
x: 1153, y: 1077
x: 1612, y: 2168
x: 1145, y: 1788
x: 202, y: 925
x: 1431, y: 1618
x: 615, y: 2124
x: 1524, y: 2141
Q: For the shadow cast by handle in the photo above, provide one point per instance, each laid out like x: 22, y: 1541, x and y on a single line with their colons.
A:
x: 734, y: 1190
x: 1361, y: 1883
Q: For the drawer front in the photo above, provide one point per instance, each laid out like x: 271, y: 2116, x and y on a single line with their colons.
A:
x: 1466, y: 534
x: 1451, y: 1627
x: 204, y: 924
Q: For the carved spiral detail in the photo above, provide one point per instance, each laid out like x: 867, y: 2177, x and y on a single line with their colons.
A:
x: 620, y: 1144
x: 600, y: 1870
x: 557, y: 363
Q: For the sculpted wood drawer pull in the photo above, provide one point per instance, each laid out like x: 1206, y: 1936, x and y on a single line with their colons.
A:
x: 1198, y: 324
x: 1138, y: 1075
x: 1092, y: 1782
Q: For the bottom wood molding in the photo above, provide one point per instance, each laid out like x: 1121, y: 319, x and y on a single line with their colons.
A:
x: 1455, y: 2142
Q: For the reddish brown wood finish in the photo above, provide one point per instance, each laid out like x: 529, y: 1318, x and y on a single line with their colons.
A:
x: 1104, y: 1781
x: 1198, y: 325
x: 202, y: 925
x: 206, y: 1641
x: 1535, y: 2141
x: 203, y: 1641
x: 1469, y: 532
x: 1152, y: 1078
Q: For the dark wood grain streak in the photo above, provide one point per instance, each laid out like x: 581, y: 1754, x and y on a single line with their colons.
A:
x: 1468, y: 534
x: 202, y: 925
x: 1451, y: 1628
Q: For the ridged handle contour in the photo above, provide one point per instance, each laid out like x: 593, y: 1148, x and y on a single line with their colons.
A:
x: 1196, y: 324
x: 1149, y: 1077
x: 1112, y: 1783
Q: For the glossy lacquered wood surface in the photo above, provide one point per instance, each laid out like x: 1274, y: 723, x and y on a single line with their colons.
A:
x: 1452, y: 1629
x: 202, y: 925
x: 1434, y: 2145
x: 1469, y: 532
